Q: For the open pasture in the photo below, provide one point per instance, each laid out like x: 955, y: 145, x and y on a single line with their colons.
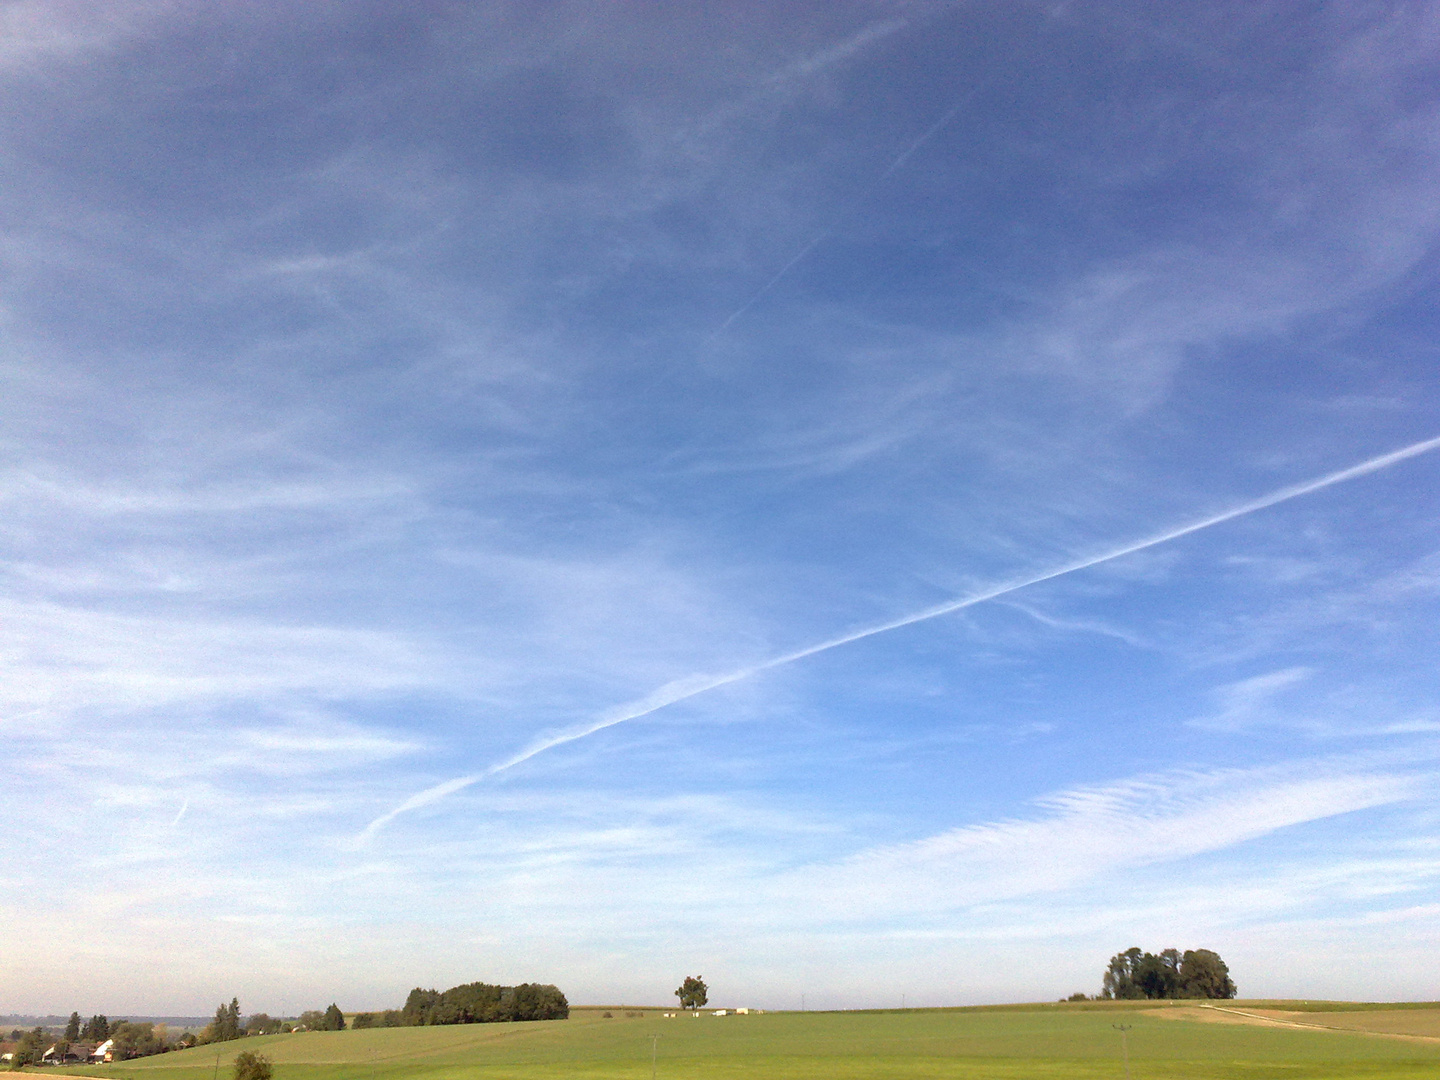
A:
x: 1033, y: 1043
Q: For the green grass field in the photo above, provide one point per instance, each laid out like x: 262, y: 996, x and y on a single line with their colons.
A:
x: 1043, y: 1043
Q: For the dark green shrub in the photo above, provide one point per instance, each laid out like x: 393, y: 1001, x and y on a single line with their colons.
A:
x: 250, y: 1066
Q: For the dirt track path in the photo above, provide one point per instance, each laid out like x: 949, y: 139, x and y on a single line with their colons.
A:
x: 1260, y: 1018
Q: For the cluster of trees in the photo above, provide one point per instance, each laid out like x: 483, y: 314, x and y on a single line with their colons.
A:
x: 29, y: 1045
x: 96, y: 1029
x: 1195, y: 973
x: 138, y: 1038
x: 693, y: 993
x: 226, y: 1025
x: 481, y: 1003
x: 332, y: 1019
x: 265, y: 1024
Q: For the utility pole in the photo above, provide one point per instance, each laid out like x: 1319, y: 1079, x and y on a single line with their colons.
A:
x: 802, y: 1002
x: 1124, y: 1045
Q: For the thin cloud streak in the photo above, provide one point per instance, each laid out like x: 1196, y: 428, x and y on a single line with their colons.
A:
x: 841, y: 52
x: 899, y: 162
x: 930, y: 132
x: 693, y: 686
x: 803, y: 69
x: 1091, y: 831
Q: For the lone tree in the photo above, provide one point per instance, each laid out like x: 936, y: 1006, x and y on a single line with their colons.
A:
x: 333, y: 1020
x: 692, y: 992
x: 250, y: 1066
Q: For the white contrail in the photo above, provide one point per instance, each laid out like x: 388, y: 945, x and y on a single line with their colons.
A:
x: 694, y: 685
x: 425, y: 798
x: 743, y: 308
x: 819, y: 238
x: 843, y: 51
x: 930, y: 133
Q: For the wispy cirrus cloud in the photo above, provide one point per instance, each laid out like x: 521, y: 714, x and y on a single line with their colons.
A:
x: 143, y: 661
x: 36, y: 35
x: 1247, y: 701
x: 1092, y: 832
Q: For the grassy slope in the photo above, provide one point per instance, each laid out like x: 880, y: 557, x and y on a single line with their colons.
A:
x: 1048, y: 1043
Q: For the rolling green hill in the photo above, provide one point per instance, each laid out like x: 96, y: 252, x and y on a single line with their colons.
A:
x: 1035, y: 1043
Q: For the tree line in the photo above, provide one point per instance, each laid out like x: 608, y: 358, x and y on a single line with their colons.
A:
x: 476, y: 1003
x: 1195, y: 973
x: 227, y: 1026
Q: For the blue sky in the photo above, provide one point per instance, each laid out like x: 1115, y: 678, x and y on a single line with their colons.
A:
x: 437, y: 440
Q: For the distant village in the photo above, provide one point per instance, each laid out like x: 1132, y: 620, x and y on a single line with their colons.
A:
x: 99, y: 1039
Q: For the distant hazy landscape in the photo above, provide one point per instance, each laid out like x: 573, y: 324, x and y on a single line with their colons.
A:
x: 1241, y: 1040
